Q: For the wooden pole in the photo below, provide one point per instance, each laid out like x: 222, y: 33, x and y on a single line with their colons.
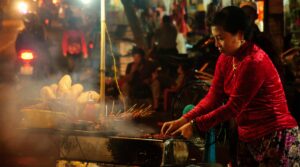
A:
x: 102, y: 53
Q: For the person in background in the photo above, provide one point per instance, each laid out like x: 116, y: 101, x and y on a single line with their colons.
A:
x: 32, y: 30
x: 213, y: 7
x: 165, y: 37
x: 33, y: 38
x: 261, y: 39
x: 265, y: 41
x: 74, y: 47
x: 199, y: 25
x: 245, y: 75
x: 148, y: 25
x: 141, y: 80
x: 155, y: 88
x: 180, y: 44
x: 164, y: 46
x: 175, y: 87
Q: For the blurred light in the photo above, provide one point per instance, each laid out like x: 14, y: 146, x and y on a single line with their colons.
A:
x: 26, y: 55
x: 86, y: 1
x: 46, y: 21
x: 91, y: 45
x: 54, y: 1
x: 22, y: 7
x: 260, y: 13
x: 188, y: 46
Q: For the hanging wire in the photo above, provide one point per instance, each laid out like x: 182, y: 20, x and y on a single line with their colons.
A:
x: 115, y: 68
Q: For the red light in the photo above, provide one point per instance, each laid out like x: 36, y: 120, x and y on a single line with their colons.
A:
x: 47, y: 21
x: 91, y: 45
x: 27, y: 55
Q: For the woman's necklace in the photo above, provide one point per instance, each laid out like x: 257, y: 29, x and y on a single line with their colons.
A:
x: 234, y: 64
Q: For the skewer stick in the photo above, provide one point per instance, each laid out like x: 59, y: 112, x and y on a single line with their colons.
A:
x: 144, y: 112
x: 105, y: 110
x: 203, y: 67
x: 147, y: 108
x: 141, y: 106
x: 113, y: 106
x: 131, y: 108
x: 118, y: 113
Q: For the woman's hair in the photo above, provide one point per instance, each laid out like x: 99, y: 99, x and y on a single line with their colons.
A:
x: 232, y: 19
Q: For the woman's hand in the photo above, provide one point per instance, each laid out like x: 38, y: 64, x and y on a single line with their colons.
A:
x: 171, y: 126
x: 186, y: 131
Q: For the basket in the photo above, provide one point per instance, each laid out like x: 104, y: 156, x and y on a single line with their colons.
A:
x: 33, y: 118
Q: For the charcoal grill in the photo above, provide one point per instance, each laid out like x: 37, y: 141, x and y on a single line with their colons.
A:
x: 131, y: 151
x: 106, y: 148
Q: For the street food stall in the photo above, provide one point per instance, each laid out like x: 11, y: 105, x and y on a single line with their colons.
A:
x: 83, y: 132
x: 84, y: 128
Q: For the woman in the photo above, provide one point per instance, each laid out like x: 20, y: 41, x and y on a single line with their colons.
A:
x: 268, y: 134
x: 74, y: 47
x: 141, y: 80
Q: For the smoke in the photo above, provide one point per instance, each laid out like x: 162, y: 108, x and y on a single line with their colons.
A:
x: 116, y: 117
x: 18, y: 92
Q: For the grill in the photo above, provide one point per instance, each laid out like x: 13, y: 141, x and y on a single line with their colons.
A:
x: 130, y: 151
x: 110, y: 146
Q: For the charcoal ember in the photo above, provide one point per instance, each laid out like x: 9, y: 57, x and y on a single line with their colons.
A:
x: 157, y: 136
x: 162, y: 136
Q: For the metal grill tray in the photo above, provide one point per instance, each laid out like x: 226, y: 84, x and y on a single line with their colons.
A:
x: 70, y: 132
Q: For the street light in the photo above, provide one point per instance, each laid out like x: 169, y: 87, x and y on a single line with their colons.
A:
x: 22, y: 7
x: 86, y: 1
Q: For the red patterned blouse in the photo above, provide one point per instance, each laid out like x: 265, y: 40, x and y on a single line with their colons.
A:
x: 255, y: 95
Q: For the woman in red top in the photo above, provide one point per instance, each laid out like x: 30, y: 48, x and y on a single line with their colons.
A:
x: 268, y: 134
x: 74, y: 47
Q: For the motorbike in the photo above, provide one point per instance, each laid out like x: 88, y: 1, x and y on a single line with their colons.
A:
x: 29, y: 63
x: 32, y: 53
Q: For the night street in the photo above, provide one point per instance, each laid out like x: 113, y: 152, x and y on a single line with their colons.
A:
x: 13, y: 144
x: 149, y: 83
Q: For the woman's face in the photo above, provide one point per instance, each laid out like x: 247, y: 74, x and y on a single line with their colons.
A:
x: 226, y: 42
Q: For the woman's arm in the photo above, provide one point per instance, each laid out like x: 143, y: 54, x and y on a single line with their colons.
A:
x: 249, y: 79
x: 215, y: 95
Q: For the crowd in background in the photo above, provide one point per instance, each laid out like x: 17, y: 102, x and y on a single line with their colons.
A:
x: 172, y: 36
x: 169, y: 35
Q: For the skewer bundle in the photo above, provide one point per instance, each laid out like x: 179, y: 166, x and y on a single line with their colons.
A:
x: 133, y: 112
